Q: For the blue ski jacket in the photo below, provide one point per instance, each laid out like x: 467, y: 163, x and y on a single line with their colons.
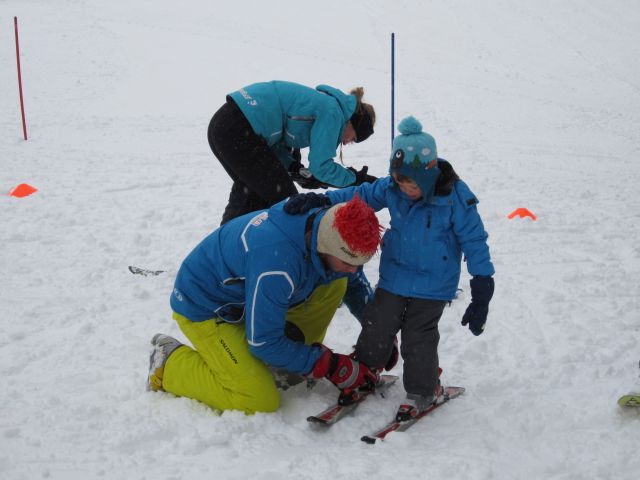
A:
x: 252, y: 270
x: 288, y: 115
x: 421, y: 251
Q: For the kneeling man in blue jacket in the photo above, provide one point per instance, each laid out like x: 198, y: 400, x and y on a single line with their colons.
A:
x: 258, y: 294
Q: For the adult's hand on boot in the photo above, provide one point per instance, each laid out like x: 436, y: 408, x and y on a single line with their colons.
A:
x: 345, y: 372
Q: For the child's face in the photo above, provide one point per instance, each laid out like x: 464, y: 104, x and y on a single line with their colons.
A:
x: 408, y: 186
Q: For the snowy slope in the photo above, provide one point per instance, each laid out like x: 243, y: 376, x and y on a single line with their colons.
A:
x: 536, y: 104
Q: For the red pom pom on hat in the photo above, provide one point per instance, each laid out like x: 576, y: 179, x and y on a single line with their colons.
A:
x: 350, y: 231
x: 357, y: 224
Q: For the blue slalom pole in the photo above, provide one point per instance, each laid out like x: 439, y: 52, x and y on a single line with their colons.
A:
x: 393, y: 63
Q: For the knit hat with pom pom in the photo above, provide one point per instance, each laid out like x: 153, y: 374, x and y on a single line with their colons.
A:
x: 414, y: 155
x: 349, y: 231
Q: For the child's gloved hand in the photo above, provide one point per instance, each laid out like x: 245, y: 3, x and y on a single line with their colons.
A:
x: 303, y: 202
x: 476, y: 314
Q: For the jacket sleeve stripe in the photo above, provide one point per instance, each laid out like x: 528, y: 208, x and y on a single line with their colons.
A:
x: 254, y: 222
x: 253, y: 301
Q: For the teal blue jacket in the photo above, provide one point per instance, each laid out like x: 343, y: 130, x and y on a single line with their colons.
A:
x: 288, y: 115
x: 421, y: 252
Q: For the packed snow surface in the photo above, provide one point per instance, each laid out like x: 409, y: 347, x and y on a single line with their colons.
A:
x: 536, y: 104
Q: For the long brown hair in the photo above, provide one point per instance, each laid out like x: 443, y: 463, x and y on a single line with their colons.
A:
x: 362, y: 107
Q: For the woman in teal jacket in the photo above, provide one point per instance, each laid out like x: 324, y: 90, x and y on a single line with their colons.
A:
x: 258, y: 133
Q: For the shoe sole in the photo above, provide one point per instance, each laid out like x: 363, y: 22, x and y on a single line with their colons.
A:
x: 153, y: 373
x: 156, y: 369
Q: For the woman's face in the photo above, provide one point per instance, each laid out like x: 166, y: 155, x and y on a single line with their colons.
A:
x: 348, y: 134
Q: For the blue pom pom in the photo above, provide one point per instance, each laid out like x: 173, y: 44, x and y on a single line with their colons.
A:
x: 409, y: 126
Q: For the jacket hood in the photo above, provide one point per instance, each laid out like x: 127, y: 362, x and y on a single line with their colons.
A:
x: 294, y: 227
x: 346, y: 101
x: 446, y: 180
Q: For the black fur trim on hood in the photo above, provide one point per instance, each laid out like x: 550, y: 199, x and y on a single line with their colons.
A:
x: 444, y: 184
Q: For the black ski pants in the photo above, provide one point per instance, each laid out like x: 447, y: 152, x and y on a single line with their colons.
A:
x: 417, y: 321
x: 259, y: 178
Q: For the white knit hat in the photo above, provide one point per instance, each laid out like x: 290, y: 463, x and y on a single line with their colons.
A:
x: 350, y: 232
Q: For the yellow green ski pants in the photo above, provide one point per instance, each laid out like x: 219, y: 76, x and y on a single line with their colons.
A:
x: 221, y: 372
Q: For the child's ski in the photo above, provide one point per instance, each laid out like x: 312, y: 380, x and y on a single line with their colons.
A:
x: 338, y: 411
x: 631, y: 400
x: 396, y: 426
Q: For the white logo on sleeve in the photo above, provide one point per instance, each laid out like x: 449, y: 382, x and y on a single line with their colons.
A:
x: 248, y: 97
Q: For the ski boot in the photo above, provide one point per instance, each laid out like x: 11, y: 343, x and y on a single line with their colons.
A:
x: 163, y: 346
x: 285, y: 380
x: 416, y: 403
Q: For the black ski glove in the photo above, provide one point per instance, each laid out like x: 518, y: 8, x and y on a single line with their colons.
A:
x: 303, y: 177
x: 476, y: 314
x: 303, y: 202
x: 362, y: 176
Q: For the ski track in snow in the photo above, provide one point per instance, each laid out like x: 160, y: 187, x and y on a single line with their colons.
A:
x: 536, y: 105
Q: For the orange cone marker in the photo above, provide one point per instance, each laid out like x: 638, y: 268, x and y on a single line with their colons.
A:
x: 522, y: 212
x: 22, y: 190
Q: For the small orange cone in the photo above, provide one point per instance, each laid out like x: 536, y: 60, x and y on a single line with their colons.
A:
x: 22, y: 190
x: 522, y: 212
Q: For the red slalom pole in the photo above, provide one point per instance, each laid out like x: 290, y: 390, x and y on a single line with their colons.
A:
x: 24, y: 123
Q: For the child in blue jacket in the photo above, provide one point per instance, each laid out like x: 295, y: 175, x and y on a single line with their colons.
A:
x: 434, y: 221
x: 258, y: 133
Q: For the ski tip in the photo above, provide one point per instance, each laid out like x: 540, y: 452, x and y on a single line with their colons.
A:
x: 318, y: 421
x: 454, y: 391
x: 368, y: 440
